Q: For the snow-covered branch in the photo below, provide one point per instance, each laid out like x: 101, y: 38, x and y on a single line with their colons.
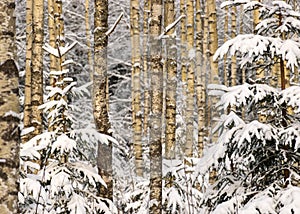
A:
x: 170, y: 26
x: 60, y: 51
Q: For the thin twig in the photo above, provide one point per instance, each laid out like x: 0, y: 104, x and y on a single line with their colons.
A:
x: 114, y: 25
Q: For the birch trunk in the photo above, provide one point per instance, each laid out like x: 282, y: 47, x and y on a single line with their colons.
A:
x: 156, y: 108
x: 233, y: 58
x: 214, y: 74
x: 100, y: 98
x: 28, y: 63
x: 52, y: 38
x: 200, y: 78
x: 214, y: 77
x: 59, y: 32
x: 9, y: 108
x: 260, y: 73
x: 255, y: 17
x: 225, y: 76
x: 295, y: 78
x: 275, y: 71
x: 183, y: 40
x: 190, y: 81
x: 88, y: 36
x: 295, y: 5
x: 56, y: 33
x: 244, y: 116
x: 171, y: 69
x: 275, y: 74
x: 284, y: 71
x: 9, y: 135
x: 145, y: 56
x: 56, y: 39
x: 183, y: 68
x: 206, y: 67
x: 213, y: 38
x: 59, y: 22
x: 136, y: 86
x: 241, y: 32
x: 37, y: 65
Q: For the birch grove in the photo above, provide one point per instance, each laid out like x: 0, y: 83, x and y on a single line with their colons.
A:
x: 175, y: 106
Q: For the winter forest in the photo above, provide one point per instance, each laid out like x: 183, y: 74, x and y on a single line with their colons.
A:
x: 151, y: 106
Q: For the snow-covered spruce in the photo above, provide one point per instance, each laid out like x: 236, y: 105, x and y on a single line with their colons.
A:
x: 53, y: 178
x: 256, y: 157
x: 252, y: 158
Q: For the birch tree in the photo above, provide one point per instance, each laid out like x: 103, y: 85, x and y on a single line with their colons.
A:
x: 211, y: 15
x: 136, y: 85
x: 225, y: 66
x: 206, y: 65
x: 28, y: 70
x: 171, y: 69
x: 88, y: 35
x: 275, y: 80
x: 100, y: 97
x: 241, y: 31
x: 9, y: 109
x: 183, y: 74
x: 59, y: 30
x: 213, y: 39
x: 200, y: 77
x: 183, y: 40
x: 259, y: 72
x: 146, y: 15
x: 52, y: 37
x: 56, y: 34
x: 37, y: 65
x: 156, y: 108
x: 233, y: 34
x: 190, y: 81
x: 213, y: 45
x: 56, y: 39
x: 34, y: 67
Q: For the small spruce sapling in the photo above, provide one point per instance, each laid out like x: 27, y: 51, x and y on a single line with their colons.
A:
x: 61, y: 182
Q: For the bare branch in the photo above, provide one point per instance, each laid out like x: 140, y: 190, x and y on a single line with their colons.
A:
x: 114, y: 25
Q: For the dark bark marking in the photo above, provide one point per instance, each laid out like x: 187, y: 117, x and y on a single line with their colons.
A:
x: 9, y: 68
